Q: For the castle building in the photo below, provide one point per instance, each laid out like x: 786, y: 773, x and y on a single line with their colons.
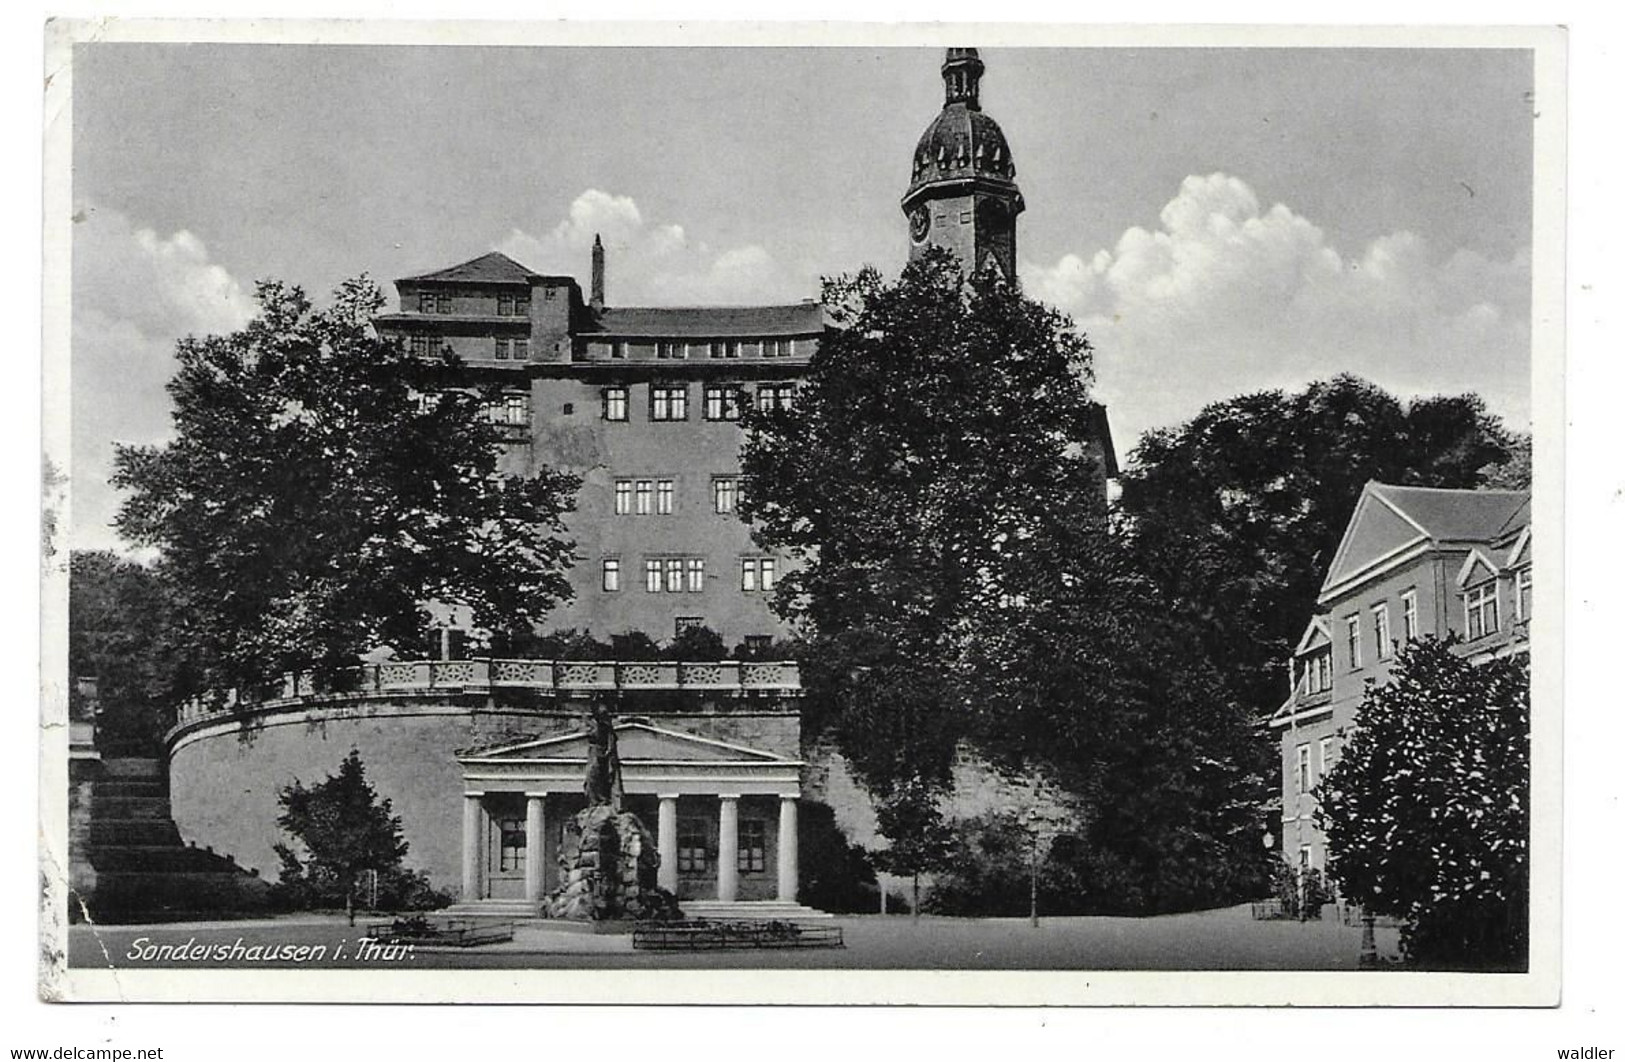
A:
x: 483, y: 759
x: 1414, y: 561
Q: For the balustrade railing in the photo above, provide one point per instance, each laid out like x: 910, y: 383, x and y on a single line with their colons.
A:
x: 557, y: 676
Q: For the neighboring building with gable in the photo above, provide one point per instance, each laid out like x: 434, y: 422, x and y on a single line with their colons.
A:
x: 1414, y: 561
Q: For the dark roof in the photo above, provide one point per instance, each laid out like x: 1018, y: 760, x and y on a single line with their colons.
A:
x: 492, y: 268
x: 961, y: 143
x: 1459, y: 515
x: 705, y: 322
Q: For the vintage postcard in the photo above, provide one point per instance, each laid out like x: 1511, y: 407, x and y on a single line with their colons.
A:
x: 573, y: 513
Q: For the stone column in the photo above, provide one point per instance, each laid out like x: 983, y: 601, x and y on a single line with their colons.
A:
x: 667, y: 836
x: 535, y: 835
x: 728, y: 849
x: 789, y: 867
x: 473, y: 838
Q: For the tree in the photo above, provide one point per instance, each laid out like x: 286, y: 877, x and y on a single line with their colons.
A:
x: 121, y: 625
x: 324, y: 486
x: 909, y: 816
x: 342, y: 829
x: 1235, y: 514
x: 910, y: 505
x: 939, y: 481
x: 1426, y: 813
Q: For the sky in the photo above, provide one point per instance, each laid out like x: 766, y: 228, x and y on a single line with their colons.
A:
x: 1217, y: 221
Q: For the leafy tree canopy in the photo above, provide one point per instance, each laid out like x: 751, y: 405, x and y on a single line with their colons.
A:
x: 341, y: 829
x: 121, y: 623
x: 1427, y: 811
x: 1236, y: 513
x: 323, y: 485
x: 942, y: 430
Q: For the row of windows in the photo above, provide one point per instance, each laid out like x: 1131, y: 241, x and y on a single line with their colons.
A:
x: 503, y: 348
x: 1305, y: 773
x: 509, y: 304
x: 645, y: 497
x: 1381, y: 634
x: 693, y: 846
x: 722, y: 349
x: 670, y: 401
x: 686, y: 575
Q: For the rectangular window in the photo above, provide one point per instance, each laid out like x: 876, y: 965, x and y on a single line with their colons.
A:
x: 1317, y: 672
x: 617, y: 349
x: 687, y: 623
x: 645, y: 494
x: 758, y: 643
x: 1483, y: 610
x: 724, y: 493
x: 513, y: 305
x: 504, y: 305
x: 668, y: 402
x: 443, y: 303
x: 511, y: 844
x: 770, y: 348
x: 425, y: 346
x: 1379, y: 630
x: 691, y: 846
x: 623, y: 497
x: 775, y: 396
x: 1305, y: 777
x: 674, y: 575
x: 752, y: 846
x: 670, y: 350
x: 714, y: 349
x: 503, y: 347
x: 696, y: 575
x: 1353, y: 642
x: 757, y: 573
x: 651, y: 576
x: 426, y: 301
x: 521, y: 350
x: 721, y: 402
x: 615, y: 403
x: 1328, y: 754
x: 1523, y: 593
x: 663, y: 496
x: 730, y: 349
x: 509, y: 409
x: 1407, y: 605
x: 612, y: 574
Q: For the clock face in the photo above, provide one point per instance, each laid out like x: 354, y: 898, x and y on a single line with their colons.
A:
x: 919, y: 223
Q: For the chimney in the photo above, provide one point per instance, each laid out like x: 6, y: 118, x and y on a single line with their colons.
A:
x: 597, y: 273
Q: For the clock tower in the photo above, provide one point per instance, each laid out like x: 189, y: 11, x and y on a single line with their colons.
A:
x: 963, y: 194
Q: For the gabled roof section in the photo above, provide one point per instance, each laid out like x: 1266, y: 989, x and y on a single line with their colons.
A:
x: 1458, y: 515
x: 491, y: 268
x: 635, y: 741
x: 1317, y: 634
x: 1476, y: 562
x: 1376, y: 530
x: 1390, y: 519
x: 712, y: 322
x: 1518, y: 550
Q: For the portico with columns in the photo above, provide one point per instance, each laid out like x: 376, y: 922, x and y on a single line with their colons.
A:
x: 724, y: 815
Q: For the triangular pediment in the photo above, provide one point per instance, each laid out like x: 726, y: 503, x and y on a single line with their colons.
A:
x: 1376, y: 531
x: 1317, y: 635
x: 1476, y: 568
x: 636, y: 742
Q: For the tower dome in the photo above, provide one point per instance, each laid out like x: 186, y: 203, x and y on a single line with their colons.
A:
x: 962, y: 190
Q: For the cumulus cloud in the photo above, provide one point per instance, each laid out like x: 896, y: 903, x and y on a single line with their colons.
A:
x: 135, y: 292
x: 1226, y: 296
x: 651, y: 263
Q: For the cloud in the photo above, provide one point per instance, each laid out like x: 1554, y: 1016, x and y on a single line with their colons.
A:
x: 134, y: 294
x: 648, y: 263
x: 1226, y: 296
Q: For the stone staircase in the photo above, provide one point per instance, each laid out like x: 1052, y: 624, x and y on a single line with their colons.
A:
x: 138, y: 867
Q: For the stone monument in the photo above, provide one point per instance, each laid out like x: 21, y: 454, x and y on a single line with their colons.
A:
x: 608, y: 862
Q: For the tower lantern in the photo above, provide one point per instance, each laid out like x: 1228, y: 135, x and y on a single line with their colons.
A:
x: 962, y: 193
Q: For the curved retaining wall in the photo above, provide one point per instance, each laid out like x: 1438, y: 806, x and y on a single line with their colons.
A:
x: 225, y: 771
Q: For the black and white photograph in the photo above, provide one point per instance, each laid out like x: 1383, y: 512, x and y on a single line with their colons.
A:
x: 562, y: 513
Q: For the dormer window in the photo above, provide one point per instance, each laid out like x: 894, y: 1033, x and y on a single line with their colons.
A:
x: 1483, y: 610
x: 1317, y: 672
